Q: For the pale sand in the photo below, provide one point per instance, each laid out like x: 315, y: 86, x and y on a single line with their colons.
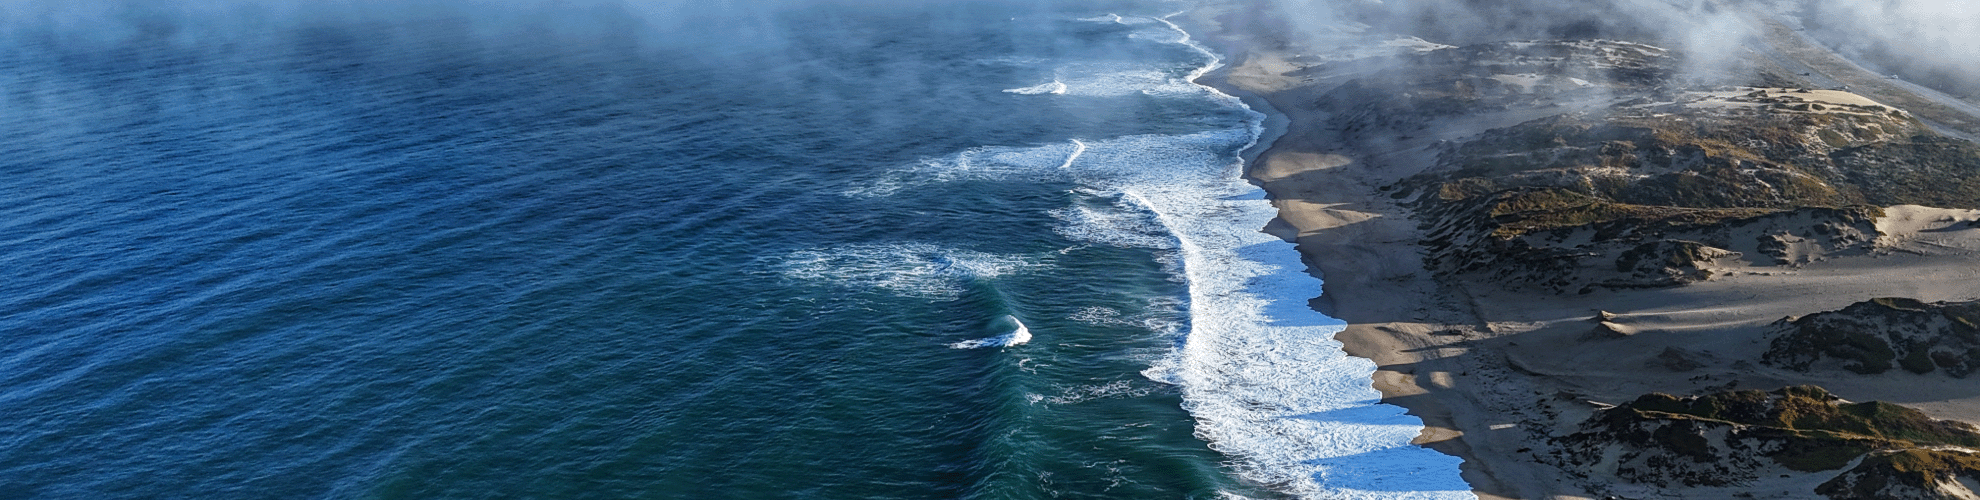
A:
x: 1832, y: 101
x: 1789, y: 51
x: 1475, y: 361
x: 1364, y: 246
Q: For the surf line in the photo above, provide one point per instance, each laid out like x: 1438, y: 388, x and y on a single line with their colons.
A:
x: 1255, y: 414
x: 1184, y: 39
x: 1078, y: 149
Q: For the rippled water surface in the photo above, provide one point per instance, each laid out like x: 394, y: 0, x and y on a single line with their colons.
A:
x: 479, y: 250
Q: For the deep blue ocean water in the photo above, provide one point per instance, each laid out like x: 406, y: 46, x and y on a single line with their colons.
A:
x: 460, y: 249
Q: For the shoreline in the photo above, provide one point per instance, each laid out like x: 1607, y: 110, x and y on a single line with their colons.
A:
x: 1346, y: 233
x: 1288, y: 342
x: 1470, y: 358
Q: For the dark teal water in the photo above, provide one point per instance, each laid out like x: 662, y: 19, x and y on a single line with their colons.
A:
x: 516, y: 250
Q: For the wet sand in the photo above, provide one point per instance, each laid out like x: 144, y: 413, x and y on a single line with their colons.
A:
x: 1477, y: 361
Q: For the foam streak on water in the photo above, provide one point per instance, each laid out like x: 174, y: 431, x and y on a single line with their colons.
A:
x: 1051, y: 87
x: 1078, y: 148
x: 914, y: 270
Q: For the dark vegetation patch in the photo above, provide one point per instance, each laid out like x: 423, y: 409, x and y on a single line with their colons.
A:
x: 1639, y: 174
x: 1717, y: 439
x: 1876, y: 335
x: 1910, y: 473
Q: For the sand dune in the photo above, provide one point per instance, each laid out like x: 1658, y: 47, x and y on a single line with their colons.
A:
x: 1480, y: 363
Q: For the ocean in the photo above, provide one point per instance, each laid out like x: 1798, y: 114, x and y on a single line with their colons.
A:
x: 519, y: 249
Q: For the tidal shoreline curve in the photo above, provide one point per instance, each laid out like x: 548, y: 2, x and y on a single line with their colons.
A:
x: 1512, y: 326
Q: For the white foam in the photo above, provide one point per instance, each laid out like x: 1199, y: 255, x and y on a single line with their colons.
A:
x: 975, y: 164
x: 1102, y: 79
x: 1115, y: 81
x: 1165, y: 314
x: 1013, y: 61
x: 1116, y: 225
x: 1114, y: 19
x: 912, y: 270
x: 1017, y: 336
x: 1111, y: 390
x: 1052, y: 87
x: 1415, y: 44
x: 1159, y: 316
x: 1103, y: 165
x: 1118, y: 78
x: 1099, y: 316
x: 1259, y: 370
x: 1078, y: 148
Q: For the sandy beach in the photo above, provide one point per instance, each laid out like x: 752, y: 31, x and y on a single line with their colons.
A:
x: 1493, y: 371
x: 1365, y: 248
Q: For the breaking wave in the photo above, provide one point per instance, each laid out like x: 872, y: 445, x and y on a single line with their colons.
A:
x: 1259, y: 370
x: 1018, y: 335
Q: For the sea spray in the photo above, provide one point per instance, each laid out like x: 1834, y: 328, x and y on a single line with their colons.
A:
x: 1019, y: 334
